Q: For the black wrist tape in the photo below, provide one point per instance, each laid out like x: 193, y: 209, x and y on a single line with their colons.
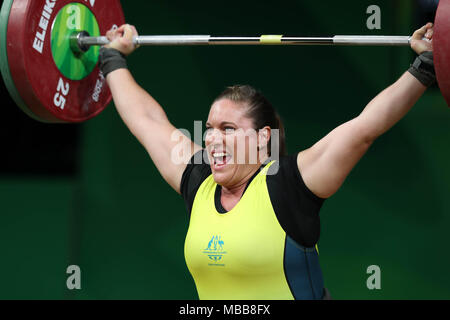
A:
x: 423, y: 69
x: 111, y: 60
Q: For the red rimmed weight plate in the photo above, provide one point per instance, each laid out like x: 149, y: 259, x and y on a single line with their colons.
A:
x: 50, y: 82
x: 441, y: 48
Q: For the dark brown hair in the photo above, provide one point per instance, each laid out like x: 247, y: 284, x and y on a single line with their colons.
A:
x: 259, y: 109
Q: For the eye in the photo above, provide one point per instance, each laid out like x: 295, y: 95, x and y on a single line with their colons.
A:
x: 229, y: 129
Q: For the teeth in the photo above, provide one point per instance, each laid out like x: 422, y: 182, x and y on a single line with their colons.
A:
x: 220, y: 155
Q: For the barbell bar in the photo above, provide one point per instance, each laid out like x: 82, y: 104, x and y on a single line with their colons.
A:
x: 82, y: 40
x: 49, y: 53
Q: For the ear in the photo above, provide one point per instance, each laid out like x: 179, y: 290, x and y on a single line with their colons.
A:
x: 263, y: 137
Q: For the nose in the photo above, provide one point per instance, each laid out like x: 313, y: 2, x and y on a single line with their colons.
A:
x: 213, y: 136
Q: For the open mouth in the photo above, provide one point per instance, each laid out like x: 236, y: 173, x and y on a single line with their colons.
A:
x: 220, y: 159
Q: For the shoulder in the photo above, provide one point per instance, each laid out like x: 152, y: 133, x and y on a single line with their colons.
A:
x: 197, y: 170
x: 285, y: 173
x: 296, y: 207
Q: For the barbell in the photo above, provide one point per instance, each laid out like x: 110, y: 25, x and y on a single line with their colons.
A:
x: 49, y: 52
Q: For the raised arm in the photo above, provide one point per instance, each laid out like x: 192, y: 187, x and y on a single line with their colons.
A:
x: 326, y: 165
x: 143, y: 115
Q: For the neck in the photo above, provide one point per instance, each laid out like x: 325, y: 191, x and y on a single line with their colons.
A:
x: 238, y: 189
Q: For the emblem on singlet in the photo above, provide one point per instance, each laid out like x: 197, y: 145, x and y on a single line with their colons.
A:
x: 215, y: 251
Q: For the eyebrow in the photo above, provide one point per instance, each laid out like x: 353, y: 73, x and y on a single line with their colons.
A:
x: 223, y: 123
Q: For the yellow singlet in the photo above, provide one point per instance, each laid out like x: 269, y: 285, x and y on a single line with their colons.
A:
x: 245, y: 253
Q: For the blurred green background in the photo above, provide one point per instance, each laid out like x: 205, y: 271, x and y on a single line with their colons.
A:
x: 114, y: 216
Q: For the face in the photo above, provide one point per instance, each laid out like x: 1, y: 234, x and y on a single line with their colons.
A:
x: 231, y: 142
